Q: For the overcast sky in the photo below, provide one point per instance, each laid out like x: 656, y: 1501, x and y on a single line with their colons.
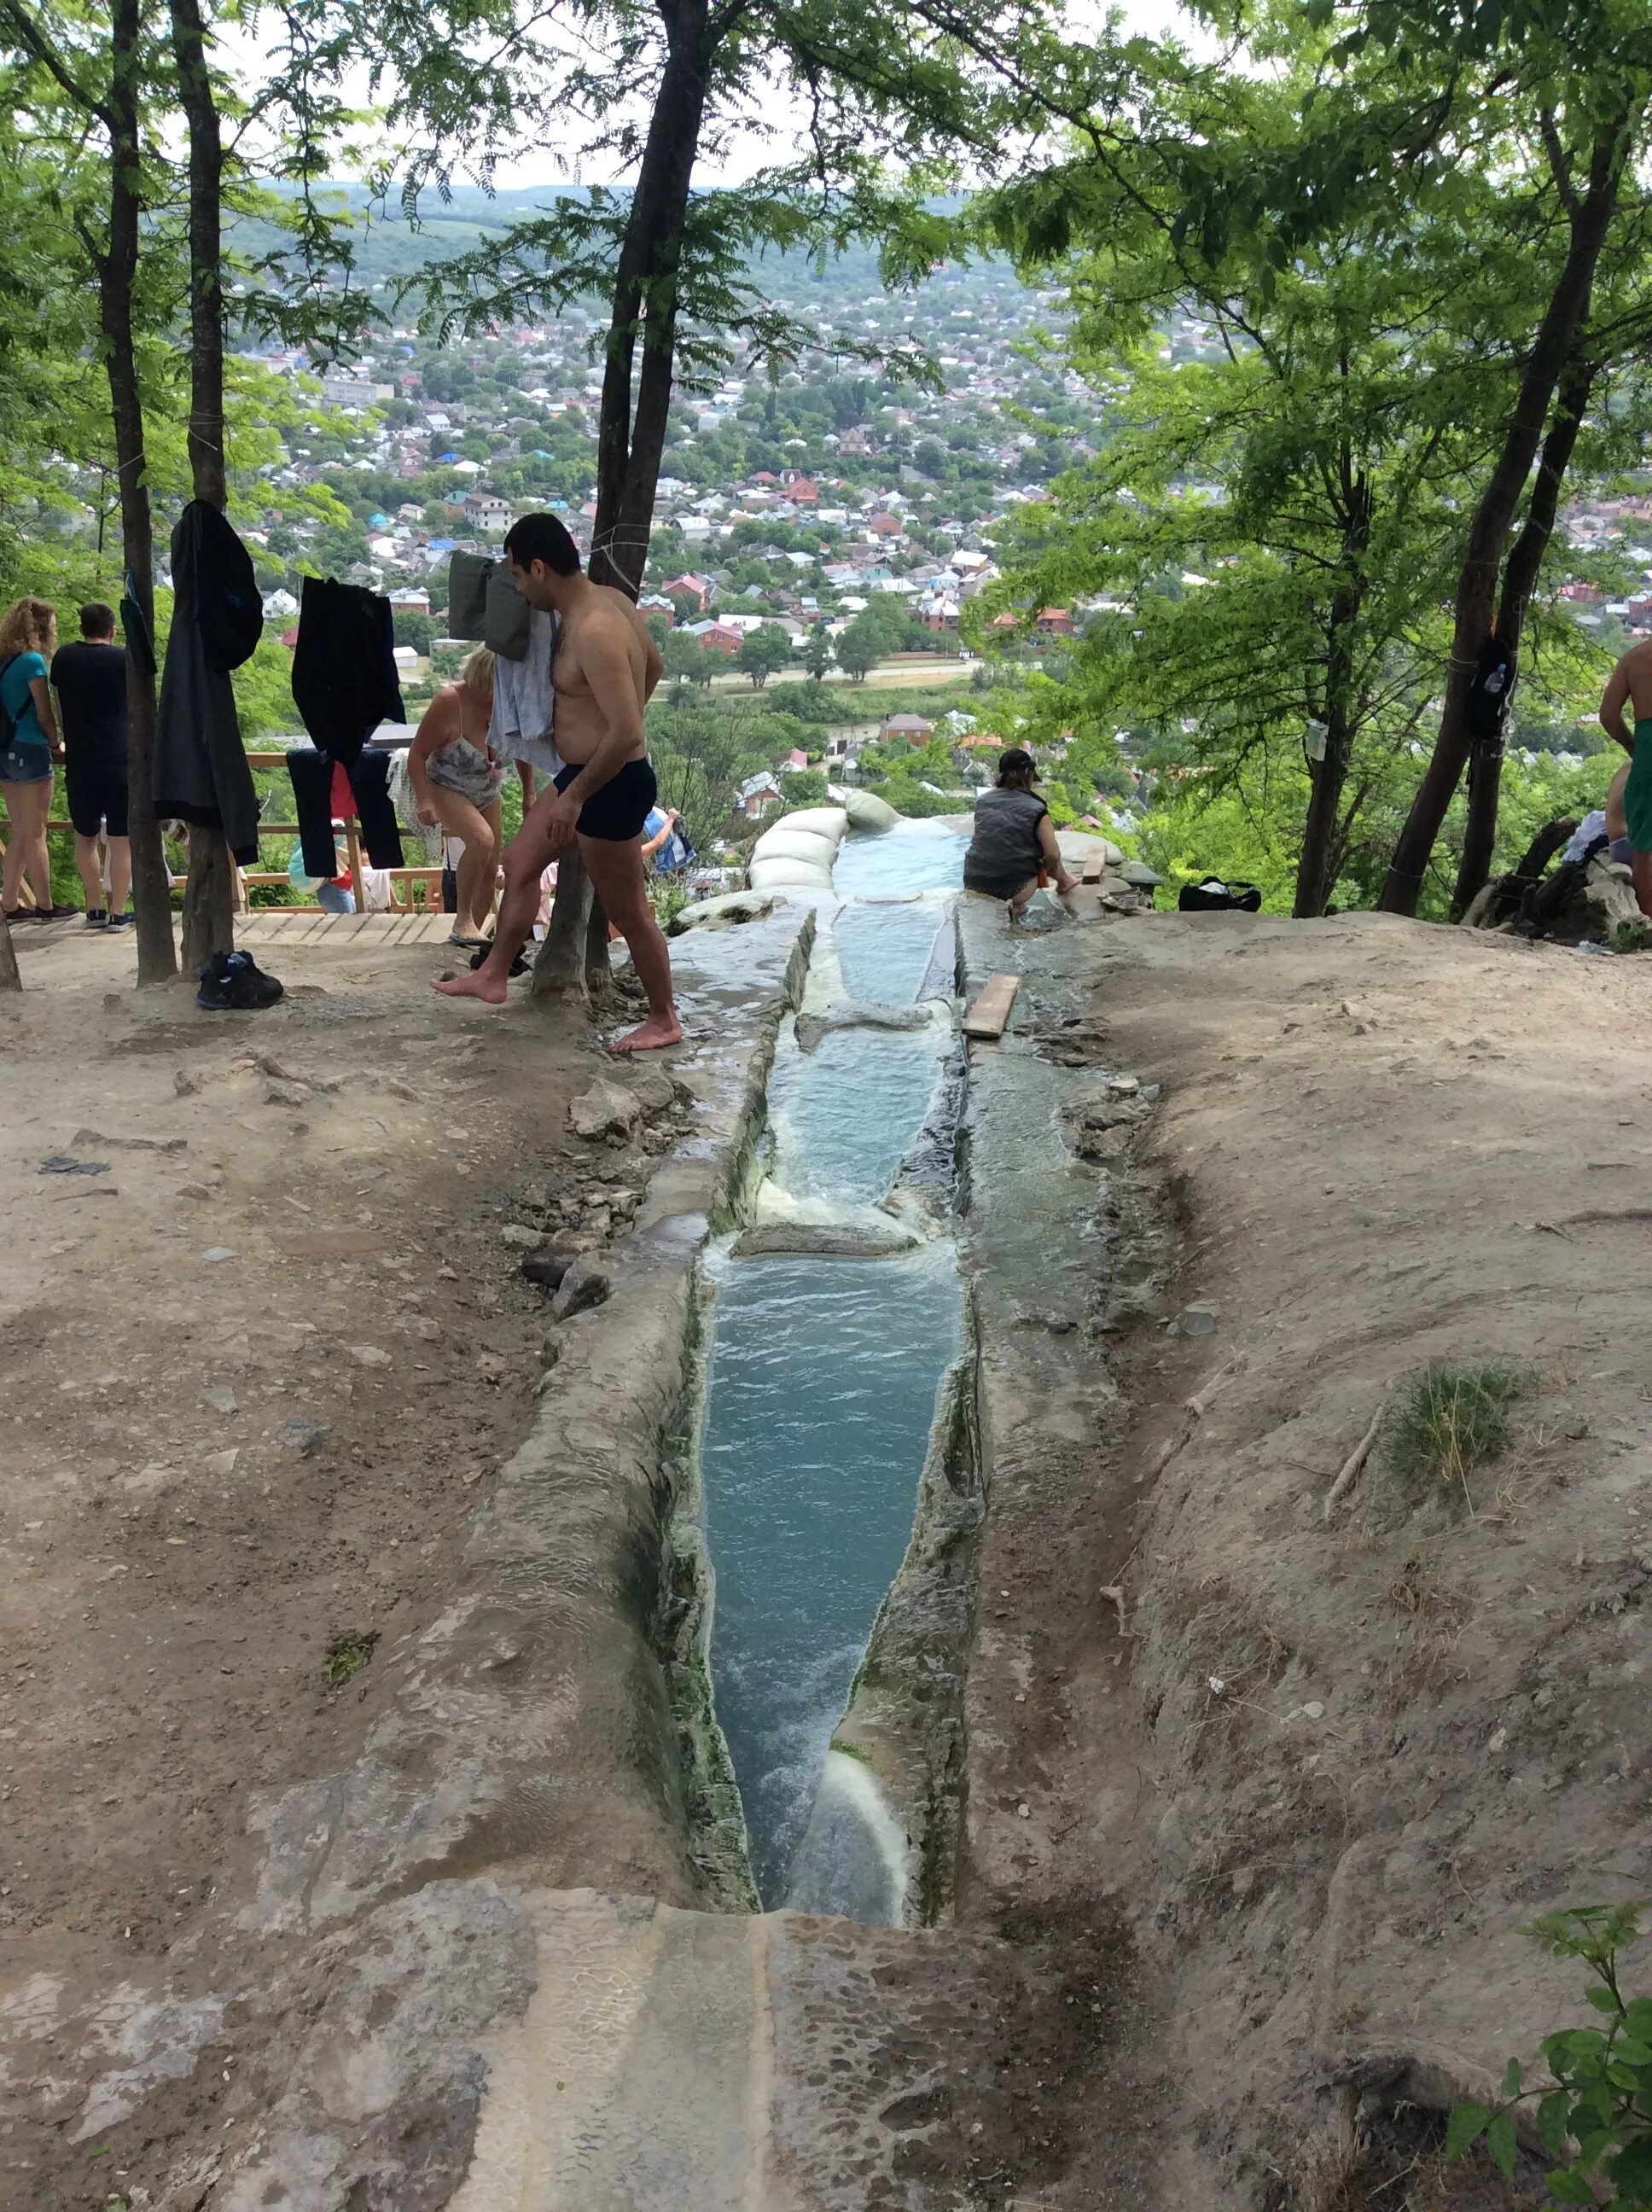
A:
x: 551, y: 165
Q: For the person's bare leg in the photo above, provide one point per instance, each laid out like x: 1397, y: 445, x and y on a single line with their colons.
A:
x: 91, y: 868
x: 35, y: 806
x: 1640, y: 866
x: 527, y: 856
x: 1023, y: 900
x: 616, y: 876
x: 478, y: 863
x: 121, y: 874
x: 487, y: 889
x: 11, y: 875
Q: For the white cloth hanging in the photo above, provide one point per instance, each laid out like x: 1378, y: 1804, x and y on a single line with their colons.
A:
x: 525, y: 700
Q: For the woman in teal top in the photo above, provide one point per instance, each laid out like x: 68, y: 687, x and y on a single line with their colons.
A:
x: 28, y: 636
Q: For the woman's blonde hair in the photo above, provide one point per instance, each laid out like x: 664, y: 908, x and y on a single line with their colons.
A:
x: 30, y: 626
x: 478, y: 673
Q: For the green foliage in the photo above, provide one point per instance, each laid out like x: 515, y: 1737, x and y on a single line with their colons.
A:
x: 804, y: 786
x: 1449, y: 1419
x: 1307, y: 345
x: 263, y: 690
x: 763, y: 651
x: 907, y: 796
x: 1597, y: 2121
x: 689, y: 659
x: 413, y: 626
x: 347, y: 1655
x: 860, y: 648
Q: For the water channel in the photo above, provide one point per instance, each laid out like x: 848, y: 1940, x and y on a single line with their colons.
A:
x: 824, y: 1371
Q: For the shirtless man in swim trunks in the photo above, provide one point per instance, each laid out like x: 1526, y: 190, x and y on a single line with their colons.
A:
x: 606, y: 668
x: 1630, y: 684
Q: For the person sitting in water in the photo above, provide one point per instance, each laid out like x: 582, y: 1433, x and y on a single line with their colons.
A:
x: 1014, y: 845
x: 457, y: 783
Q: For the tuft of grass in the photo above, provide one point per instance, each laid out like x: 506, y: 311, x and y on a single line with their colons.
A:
x: 347, y: 1655
x: 1449, y: 1419
x: 1633, y: 937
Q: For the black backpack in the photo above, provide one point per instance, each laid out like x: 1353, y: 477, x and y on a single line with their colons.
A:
x: 8, y: 720
x: 1214, y: 897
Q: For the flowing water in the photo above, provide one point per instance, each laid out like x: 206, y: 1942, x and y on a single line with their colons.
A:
x: 824, y: 1372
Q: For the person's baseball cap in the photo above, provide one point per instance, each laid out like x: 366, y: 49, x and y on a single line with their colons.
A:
x: 1016, y: 759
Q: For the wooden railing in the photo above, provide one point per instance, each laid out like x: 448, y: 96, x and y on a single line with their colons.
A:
x: 423, y: 879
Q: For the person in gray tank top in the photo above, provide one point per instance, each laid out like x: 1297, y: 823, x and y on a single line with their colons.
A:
x: 1014, y: 846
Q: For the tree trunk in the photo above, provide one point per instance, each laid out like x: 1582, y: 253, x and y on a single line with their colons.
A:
x: 1590, y: 219
x: 644, y: 306
x: 157, y: 958
x: 209, y: 897
x: 560, y: 968
x: 10, y: 978
x: 1519, y: 582
x: 598, y: 969
x: 1315, y: 870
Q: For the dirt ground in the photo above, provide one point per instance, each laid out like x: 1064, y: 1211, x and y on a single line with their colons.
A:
x: 299, y: 1222
x: 1281, y: 1784
x: 1331, y: 1761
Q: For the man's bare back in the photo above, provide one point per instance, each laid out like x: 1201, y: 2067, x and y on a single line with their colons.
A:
x: 605, y: 613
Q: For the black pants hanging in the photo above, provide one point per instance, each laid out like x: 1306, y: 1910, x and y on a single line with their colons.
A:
x: 369, y: 783
x: 344, y: 678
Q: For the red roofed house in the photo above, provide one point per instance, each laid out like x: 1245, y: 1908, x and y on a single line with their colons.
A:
x: 725, y: 640
x: 912, y: 727
x: 1054, y: 622
x: 884, y: 525
x: 685, y: 587
x: 802, y: 492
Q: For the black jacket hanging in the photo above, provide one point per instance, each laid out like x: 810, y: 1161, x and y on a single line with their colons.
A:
x: 344, y: 678
x: 201, y: 771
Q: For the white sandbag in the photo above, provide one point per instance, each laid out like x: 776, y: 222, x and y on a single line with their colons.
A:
x: 787, y: 844
x: 826, y: 821
x: 866, y: 810
x: 1076, y: 846
x: 723, y: 911
x: 789, y: 875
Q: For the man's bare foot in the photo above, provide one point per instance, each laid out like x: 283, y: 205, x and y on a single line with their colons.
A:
x: 480, y: 986
x: 658, y: 1030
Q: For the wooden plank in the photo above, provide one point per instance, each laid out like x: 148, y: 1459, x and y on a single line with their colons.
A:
x: 1094, y: 863
x: 989, y: 1015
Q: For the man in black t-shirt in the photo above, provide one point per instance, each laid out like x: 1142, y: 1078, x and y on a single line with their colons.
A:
x: 90, y: 682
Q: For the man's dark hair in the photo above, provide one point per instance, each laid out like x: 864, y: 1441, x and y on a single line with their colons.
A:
x: 533, y: 538
x: 97, y: 620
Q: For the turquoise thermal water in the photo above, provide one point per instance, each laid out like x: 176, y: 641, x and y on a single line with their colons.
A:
x: 824, y: 1374
x: 822, y: 1391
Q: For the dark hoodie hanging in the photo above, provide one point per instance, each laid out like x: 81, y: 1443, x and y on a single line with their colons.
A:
x: 344, y: 678
x: 201, y: 771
